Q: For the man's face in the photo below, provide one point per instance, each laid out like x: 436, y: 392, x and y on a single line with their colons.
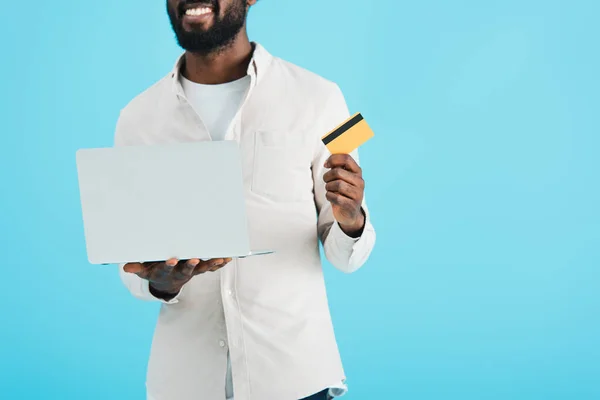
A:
x: 205, y: 26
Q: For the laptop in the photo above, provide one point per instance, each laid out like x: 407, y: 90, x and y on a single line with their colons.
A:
x: 153, y: 203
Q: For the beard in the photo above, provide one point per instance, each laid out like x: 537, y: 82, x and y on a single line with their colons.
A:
x: 218, y: 36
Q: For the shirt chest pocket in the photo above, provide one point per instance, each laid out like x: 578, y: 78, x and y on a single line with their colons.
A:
x: 282, y: 166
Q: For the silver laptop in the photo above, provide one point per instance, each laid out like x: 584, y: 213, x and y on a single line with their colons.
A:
x: 152, y: 203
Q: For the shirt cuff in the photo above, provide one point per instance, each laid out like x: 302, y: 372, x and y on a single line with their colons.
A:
x: 342, y: 239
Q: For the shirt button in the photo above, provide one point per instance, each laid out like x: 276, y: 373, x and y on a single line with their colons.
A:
x: 222, y: 343
x: 229, y: 292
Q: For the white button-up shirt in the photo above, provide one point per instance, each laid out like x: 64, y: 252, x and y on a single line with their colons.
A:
x: 270, y: 313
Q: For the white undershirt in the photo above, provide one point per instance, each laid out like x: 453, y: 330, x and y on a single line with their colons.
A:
x: 217, y: 105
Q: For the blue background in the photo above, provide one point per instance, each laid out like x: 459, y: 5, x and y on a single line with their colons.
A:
x: 482, y: 180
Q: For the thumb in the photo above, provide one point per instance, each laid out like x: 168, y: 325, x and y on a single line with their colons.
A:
x: 133, y: 268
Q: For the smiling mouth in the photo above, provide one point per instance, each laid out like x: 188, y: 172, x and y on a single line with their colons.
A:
x: 197, y: 10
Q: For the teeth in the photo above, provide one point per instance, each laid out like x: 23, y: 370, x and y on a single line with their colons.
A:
x: 198, y: 11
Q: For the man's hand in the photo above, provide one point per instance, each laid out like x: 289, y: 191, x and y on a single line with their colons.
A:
x: 345, y: 190
x: 169, y: 277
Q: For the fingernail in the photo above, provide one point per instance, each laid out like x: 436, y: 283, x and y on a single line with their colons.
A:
x: 194, y: 263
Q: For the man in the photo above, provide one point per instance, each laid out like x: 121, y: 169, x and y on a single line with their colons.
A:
x: 257, y: 328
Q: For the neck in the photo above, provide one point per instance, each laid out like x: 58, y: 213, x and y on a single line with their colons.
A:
x: 221, y: 66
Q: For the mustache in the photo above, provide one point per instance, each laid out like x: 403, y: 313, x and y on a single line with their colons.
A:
x: 184, y: 4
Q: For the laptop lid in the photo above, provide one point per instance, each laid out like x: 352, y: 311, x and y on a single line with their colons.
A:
x: 152, y: 203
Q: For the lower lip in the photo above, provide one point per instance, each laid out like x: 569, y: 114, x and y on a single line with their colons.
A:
x: 197, y: 19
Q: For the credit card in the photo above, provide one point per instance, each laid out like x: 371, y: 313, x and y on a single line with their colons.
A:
x: 348, y: 136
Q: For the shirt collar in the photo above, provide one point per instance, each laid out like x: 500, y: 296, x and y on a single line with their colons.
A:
x: 258, y: 65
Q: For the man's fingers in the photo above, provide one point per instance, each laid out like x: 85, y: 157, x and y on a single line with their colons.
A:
x: 224, y: 262
x: 143, y: 270
x: 344, y: 188
x: 156, y: 270
x: 187, y: 268
x: 147, y: 269
x: 341, y: 174
x: 344, y: 161
x: 133, y: 268
x: 204, y: 266
x: 339, y: 199
x: 160, y: 269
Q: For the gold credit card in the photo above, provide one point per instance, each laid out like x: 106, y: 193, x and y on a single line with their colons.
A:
x: 348, y: 136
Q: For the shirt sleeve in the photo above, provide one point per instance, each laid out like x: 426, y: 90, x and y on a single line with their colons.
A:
x: 345, y: 253
x: 138, y: 287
